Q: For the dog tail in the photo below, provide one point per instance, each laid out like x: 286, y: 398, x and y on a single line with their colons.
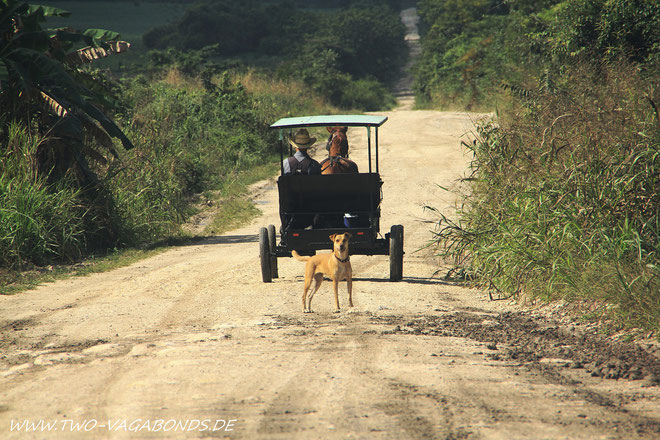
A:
x: 297, y: 256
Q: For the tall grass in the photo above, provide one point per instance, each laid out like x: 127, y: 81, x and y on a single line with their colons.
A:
x: 279, y: 98
x: 38, y: 221
x: 192, y: 134
x: 564, y: 200
x: 195, y: 134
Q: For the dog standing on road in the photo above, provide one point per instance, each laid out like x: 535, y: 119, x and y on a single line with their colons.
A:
x: 336, y: 266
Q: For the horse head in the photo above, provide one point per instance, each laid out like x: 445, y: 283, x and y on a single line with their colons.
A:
x: 337, y: 161
x: 338, y: 142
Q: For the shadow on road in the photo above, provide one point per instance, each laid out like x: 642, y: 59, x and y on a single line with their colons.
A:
x: 231, y: 239
x: 408, y: 280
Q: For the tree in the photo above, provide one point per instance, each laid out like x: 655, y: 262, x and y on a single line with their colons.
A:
x: 43, y: 84
x: 371, y: 41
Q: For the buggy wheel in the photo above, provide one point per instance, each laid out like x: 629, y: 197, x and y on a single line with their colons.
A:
x: 264, y: 255
x: 272, y: 241
x: 396, y: 253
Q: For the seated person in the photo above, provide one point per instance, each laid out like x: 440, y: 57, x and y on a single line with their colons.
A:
x: 300, y: 162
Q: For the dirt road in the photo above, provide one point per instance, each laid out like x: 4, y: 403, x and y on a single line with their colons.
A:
x: 191, y: 344
x: 194, y: 335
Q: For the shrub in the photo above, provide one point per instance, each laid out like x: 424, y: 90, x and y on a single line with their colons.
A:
x: 38, y: 222
x: 234, y: 26
x: 565, y: 200
x: 327, y: 49
x: 367, y: 95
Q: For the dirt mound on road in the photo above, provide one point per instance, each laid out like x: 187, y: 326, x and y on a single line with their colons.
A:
x: 538, y: 340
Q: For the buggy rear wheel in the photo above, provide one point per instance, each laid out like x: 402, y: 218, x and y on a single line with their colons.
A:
x: 396, y: 253
x: 272, y: 241
x: 264, y: 255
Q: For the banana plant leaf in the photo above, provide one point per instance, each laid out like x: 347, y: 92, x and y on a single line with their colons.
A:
x: 36, y: 70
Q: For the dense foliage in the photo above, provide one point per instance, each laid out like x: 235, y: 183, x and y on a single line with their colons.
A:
x: 37, y: 221
x: 43, y: 82
x: 192, y: 132
x: 471, y: 48
x: 328, y: 49
x: 563, y: 197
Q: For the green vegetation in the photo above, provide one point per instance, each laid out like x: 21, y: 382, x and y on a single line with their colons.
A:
x: 53, y: 128
x: 67, y: 189
x: 472, y: 48
x: 328, y: 49
x: 37, y: 221
x: 563, y: 201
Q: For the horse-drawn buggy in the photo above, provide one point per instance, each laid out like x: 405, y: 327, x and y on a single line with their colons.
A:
x: 315, y: 206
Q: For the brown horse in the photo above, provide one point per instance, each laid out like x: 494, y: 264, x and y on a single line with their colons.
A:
x: 337, y: 161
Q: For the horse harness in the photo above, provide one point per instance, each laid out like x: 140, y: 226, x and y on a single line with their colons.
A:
x: 334, y: 160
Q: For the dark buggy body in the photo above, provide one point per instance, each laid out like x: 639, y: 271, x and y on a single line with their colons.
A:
x: 313, y: 207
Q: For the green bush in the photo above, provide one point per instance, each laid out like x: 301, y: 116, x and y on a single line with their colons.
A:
x: 367, y: 95
x: 38, y: 222
x: 378, y: 52
x: 565, y: 198
x: 327, y: 49
x: 608, y: 30
x: 234, y: 26
x: 469, y: 48
x: 191, y: 138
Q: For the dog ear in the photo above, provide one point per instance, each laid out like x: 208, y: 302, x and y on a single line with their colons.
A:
x: 348, y: 234
x: 329, y: 129
x: 343, y: 129
x: 332, y: 237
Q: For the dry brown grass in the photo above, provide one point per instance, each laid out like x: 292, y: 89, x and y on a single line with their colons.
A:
x: 260, y: 84
x: 175, y: 77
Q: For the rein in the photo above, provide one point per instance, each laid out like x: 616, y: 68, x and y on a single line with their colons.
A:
x: 334, y: 160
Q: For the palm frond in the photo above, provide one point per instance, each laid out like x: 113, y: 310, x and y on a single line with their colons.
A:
x: 53, y: 106
x: 90, y: 53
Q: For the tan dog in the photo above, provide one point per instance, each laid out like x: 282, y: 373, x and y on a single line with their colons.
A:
x: 336, y: 266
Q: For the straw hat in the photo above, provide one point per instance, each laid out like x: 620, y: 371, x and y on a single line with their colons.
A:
x: 302, y: 140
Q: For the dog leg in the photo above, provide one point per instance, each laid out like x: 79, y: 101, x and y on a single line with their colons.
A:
x: 335, y: 287
x: 349, y: 284
x: 318, y: 279
x: 304, y: 299
x: 308, y: 282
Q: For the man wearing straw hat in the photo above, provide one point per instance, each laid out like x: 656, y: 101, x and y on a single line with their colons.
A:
x: 301, y: 163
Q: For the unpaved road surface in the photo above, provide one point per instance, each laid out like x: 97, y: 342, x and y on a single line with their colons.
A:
x: 178, y: 345
x: 194, y: 335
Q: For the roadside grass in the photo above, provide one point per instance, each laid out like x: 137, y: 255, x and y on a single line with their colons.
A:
x: 563, y: 201
x: 236, y: 210
x: 17, y: 281
x: 38, y: 221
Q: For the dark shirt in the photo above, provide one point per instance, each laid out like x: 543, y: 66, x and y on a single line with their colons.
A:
x: 304, y: 162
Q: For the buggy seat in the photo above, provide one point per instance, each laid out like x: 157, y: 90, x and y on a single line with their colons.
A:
x: 330, y: 194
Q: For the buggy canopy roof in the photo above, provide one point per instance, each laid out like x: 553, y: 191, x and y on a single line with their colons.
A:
x: 331, y: 120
